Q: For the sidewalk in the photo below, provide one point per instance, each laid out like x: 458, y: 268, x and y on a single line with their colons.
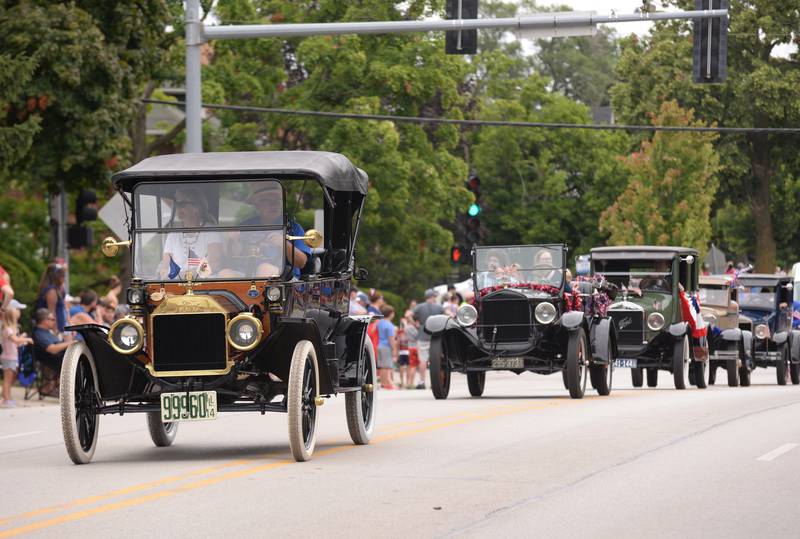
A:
x: 18, y: 394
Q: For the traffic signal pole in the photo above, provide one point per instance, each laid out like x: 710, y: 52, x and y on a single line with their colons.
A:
x: 543, y: 25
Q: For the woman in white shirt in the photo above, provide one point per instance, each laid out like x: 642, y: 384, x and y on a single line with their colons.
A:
x: 196, y: 251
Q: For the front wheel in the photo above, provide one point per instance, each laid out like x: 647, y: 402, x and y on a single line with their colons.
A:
x: 80, y: 401
x: 162, y: 434
x: 360, y: 405
x: 794, y: 373
x: 733, y: 369
x: 680, y: 362
x: 476, y: 382
x: 601, y: 376
x: 440, y: 370
x: 782, y: 367
x: 301, y: 403
x: 712, y: 373
x: 577, y: 358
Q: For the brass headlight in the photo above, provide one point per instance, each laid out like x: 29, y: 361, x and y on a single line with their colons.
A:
x: 244, y: 332
x: 126, y: 336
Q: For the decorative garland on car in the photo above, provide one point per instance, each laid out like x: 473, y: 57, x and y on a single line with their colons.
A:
x: 598, y: 302
x: 572, y: 302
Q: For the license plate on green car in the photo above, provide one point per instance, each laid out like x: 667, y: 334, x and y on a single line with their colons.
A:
x: 188, y: 406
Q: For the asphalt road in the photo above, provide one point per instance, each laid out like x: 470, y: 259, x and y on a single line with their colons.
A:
x: 525, y: 460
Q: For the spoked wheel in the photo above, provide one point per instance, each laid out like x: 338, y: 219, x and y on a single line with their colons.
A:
x: 80, y: 402
x: 301, y: 401
x: 476, y: 382
x: 440, y: 370
x: 360, y: 405
x: 162, y: 434
x: 637, y: 377
x: 576, y: 364
x: 782, y: 366
x: 652, y: 377
x: 680, y: 362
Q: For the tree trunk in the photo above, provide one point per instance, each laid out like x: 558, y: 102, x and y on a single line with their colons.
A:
x: 762, y: 216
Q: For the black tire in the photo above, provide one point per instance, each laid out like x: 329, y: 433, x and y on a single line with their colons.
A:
x: 601, y: 377
x: 712, y: 373
x: 360, y: 405
x: 680, y: 362
x: 476, y: 382
x: 637, y: 377
x: 79, y: 401
x: 301, y: 406
x: 794, y: 373
x: 564, y: 379
x: 782, y: 366
x: 162, y: 434
x: 733, y: 369
x: 652, y: 377
x: 577, y: 363
x: 440, y: 370
x: 700, y: 374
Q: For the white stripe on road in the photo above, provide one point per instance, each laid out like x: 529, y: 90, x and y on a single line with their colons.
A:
x: 775, y: 453
x: 20, y: 435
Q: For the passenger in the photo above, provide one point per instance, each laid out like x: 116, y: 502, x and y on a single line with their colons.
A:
x: 267, y: 198
x: 49, y: 348
x: 502, y: 272
x: 543, y: 260
x: 192, y: 250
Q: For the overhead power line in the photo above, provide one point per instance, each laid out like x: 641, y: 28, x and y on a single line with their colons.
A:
x: 481, y: 123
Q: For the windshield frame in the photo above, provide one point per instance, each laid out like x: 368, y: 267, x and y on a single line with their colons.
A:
x: 137, y: 231
x: 716, y: 288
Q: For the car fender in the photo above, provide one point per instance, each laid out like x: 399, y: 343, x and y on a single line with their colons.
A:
x: 572, y: 320
x: 795, y: 349
x: 747, y: 337
x: 780, y: 338
x: 604, y: 340
x: 678, y: 330
x: 438, y: 323
x: 733, y: 335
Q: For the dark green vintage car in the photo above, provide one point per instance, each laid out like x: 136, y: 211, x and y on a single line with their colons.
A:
x: 655, y: 291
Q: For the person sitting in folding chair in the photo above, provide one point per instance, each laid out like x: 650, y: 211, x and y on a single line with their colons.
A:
x: 49, y: 349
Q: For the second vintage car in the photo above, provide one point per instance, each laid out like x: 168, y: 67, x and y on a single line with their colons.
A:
x: 522, y: 320
x: 658, y: 324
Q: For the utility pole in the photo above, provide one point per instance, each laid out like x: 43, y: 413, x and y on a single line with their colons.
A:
x: 541, y: 25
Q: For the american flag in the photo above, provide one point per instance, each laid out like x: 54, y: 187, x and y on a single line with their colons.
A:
x: 193, y: 261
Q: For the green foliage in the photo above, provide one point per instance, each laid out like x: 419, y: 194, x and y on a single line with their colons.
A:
x: 672, y: 186
x: 24, y: 235
x: 16, y: 130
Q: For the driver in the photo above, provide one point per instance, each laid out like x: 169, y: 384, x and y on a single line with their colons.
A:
x: 501, y: 271
x: 658, y: 283
x: 544, y: 271
x: 267, y: 198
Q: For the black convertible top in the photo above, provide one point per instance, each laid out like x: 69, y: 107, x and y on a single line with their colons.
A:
x: 332, y: 170
x: 634, y: 252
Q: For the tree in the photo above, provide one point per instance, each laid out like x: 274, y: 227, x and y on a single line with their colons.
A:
x: 672, y: 186
x: 762, y: 90
x: 17, y: 127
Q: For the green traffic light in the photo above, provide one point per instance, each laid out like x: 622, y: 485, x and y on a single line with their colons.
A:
x: 474, y: 210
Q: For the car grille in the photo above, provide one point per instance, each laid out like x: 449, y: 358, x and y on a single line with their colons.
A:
x: 630, y: 325
x: 189, y: 342
x: 510, y: 313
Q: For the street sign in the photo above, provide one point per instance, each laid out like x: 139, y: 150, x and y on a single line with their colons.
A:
x: 113, y: 215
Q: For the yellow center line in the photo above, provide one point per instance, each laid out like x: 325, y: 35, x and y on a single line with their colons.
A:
x: 449, y: 421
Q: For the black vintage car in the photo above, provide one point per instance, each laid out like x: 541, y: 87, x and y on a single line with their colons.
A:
x: 522, y: 320
x: 230, y: 311
x: 654, y: 312
x: 767, y: 301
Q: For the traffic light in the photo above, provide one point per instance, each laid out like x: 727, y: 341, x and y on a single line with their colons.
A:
x: 461, y: 41
x: 456, y: 253
x: 473, y: 222
x: 710, y: 44
x: 80, y: 235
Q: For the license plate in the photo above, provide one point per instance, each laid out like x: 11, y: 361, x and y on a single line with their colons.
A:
x: 188, y: 406
x: 507, y: 363
x: 626, y: 363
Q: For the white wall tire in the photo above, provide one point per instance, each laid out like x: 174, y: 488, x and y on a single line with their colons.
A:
x: 300, y: 401
x: 681, y: 362
x: 162, y: 434
x: 79, y: 398
x: 360, y: 405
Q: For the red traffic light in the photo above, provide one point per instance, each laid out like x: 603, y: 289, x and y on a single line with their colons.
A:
x: 455, y: 254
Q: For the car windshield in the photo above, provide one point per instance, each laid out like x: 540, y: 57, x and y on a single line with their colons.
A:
x: 637, y: 276
x: 757, y: 297
x: 711, y: 295
x: 529, y: 264
x: 223, y: 229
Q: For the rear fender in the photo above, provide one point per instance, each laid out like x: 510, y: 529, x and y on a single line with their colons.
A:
x: 734, y: 334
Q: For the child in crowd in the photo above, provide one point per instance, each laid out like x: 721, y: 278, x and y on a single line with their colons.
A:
x: 387, y: 347
x: 12, y: 341
x: 402, y: 353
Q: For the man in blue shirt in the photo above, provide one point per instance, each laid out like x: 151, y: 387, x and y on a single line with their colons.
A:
x: 49, y: 348
x: 267, y: 198
x: 387, y: 347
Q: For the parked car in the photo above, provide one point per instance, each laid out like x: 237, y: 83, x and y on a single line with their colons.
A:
x: 522, y: 320
x: 767, y: 301
x: 658, y: 324
x: 224, y: 317
x: 730, y: 335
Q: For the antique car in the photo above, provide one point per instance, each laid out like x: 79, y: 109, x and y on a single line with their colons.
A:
x: 226, y: 316
x: 658, y: 324
x: 767, y: 301
x: 521, y: 320
x: 730, y: 335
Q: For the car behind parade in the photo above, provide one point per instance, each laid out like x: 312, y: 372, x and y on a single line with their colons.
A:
x: 247, y: 329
